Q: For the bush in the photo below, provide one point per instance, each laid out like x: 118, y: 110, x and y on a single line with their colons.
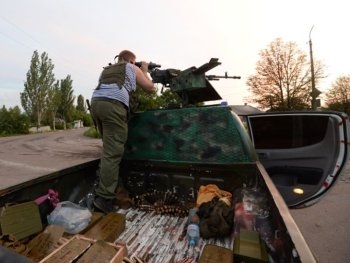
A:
x: 92, y: 132
x: 87, y: 120
x: 12, y: 122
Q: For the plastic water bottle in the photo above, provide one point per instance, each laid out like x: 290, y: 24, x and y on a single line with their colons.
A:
x: 192, y: 234
x: 193, y: 227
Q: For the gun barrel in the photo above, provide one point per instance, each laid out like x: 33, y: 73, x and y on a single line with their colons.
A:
x: 215, y: 77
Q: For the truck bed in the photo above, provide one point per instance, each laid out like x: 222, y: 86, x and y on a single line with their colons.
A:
x: 161, y: 238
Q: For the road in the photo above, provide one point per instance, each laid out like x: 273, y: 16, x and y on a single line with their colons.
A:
x: 325, y: 225
x: 25, y: 157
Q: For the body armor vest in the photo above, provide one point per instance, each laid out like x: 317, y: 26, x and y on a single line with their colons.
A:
x: 116, y: 74
x: 113, y: 74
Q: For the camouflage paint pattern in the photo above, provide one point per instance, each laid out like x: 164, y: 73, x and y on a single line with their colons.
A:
x: 210, y: 134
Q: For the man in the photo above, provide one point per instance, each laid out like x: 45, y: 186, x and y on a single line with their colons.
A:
x: 110, y: 109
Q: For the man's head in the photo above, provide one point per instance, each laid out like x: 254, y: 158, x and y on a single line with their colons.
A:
x: 126, y: 56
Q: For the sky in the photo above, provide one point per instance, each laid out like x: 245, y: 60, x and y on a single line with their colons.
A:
x: 82, y: 36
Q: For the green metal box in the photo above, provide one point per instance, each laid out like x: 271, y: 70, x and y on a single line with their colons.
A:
x: 20, y: 220
x: 249, y: 248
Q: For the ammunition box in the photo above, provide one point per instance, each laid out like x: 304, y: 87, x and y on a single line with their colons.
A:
x: 84, y: 250
x: 249, y: 248
x: 108, y: 228
x: 45, y: 242
x: 215, y: 254
x: 96, y: 216
x: 20, y: 220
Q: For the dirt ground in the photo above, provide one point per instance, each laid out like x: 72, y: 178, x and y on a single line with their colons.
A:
x: 325, y: 225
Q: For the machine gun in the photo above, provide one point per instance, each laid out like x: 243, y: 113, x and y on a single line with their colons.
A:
x: 192, y: 85
x: 215, y: 77
x: 151, y: 65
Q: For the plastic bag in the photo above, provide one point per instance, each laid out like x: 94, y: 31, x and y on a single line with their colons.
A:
x: 72, y: 217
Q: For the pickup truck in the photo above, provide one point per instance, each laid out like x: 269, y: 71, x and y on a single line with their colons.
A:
x: 265, y: 163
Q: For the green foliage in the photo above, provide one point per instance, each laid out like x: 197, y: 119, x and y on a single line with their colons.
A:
x: 45, y: 99
x: 144, y: 100
x: 40, y: 79
x: 168, y: 98
x: 154, y: 101
x: 80, y: 112
x: 92, y: 132
x: 12, y: 121
x: 66, y: 107
x: 64, y: 126
x: 53, y: 102
x: 83, y: 116
x: 87, y: 120
x: 81, y: 104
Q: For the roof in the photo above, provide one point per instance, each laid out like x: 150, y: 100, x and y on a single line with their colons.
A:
x: 244, y: 109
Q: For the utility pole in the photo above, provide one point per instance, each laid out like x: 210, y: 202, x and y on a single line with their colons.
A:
x: 314, y: 92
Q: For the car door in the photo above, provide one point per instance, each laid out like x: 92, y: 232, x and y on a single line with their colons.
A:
x: 303, y: 152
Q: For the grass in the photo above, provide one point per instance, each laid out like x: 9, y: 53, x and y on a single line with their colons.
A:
x: 92, y: 132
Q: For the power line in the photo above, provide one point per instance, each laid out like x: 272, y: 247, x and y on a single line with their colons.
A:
x: 59, y: 55
x: 20, y: 29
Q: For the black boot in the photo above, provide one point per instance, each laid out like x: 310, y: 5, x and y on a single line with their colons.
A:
x: 105, y: 205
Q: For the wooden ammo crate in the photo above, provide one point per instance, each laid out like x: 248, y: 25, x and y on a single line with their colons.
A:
x: 108, y: 228
x: 81, y: 249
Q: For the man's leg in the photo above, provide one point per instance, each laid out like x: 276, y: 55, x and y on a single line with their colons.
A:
x: 114, y: 126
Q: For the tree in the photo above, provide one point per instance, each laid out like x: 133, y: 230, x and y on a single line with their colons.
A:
x: 283, y: 77
x: 80, y: 112
x: 12, y: 121
x: 67, y: 99
x: 40, y: 79
x: 154, y: 101
x: 168, y: 98
x: 81, y: 104
x: 53, y: 102
x: 338, y: 97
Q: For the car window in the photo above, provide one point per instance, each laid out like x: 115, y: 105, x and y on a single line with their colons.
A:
x: 284, y: 132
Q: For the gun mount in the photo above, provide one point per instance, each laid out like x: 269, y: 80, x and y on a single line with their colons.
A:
x: 192, y: 85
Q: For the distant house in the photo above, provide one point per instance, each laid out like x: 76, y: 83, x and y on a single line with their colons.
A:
x: 78, y: 124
